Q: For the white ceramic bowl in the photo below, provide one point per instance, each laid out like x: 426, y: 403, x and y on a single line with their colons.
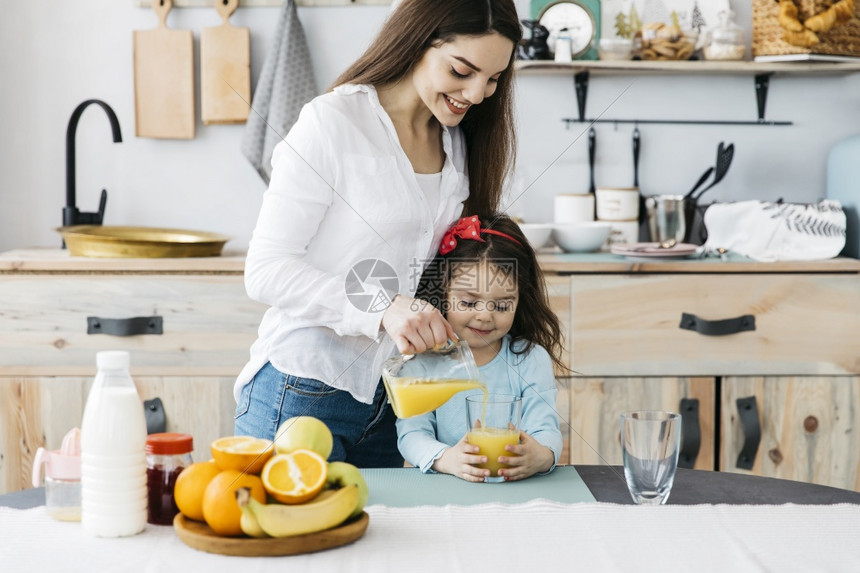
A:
x: 538, y: 234
x: 581, y: 237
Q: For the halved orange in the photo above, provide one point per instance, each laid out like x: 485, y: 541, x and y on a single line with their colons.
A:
x: 241, y: 453
x: 295, y: 477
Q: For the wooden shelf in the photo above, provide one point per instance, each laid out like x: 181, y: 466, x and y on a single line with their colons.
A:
x: 761, y: 72
x: 695, y: 67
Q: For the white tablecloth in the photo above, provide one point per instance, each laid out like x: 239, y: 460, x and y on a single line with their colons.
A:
x: 535, y: 536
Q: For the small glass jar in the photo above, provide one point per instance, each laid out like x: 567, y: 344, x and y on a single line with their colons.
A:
x: 167, y: 454
x: 63, y: 498
x: 726, y: 41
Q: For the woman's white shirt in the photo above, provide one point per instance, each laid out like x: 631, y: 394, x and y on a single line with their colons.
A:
x: 431, y: 186
x: 342, y: 192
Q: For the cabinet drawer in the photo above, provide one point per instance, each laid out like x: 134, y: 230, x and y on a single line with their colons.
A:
x: 208, y: 321
x: 629, y: 325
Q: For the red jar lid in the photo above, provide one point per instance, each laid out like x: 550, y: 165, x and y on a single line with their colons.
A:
x: 169, y: 443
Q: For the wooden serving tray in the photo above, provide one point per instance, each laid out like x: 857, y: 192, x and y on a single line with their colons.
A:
x: 198, y: 535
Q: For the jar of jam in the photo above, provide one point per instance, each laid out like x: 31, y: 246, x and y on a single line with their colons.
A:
x: 167, y: 454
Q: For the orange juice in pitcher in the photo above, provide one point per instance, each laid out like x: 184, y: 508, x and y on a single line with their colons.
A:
x: 420, y: 383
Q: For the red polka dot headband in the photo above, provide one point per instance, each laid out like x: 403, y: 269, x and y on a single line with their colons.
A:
x: 468, y: 228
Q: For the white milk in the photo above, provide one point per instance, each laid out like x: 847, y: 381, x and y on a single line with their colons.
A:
x: 113, y: 436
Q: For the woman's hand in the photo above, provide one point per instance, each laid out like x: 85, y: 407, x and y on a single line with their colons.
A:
x: 529, y: 457
x: 459, y: 460
x: 415, y: 325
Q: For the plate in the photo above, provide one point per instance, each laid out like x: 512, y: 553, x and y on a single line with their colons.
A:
x: 198, y: 535
x: 653, y: 250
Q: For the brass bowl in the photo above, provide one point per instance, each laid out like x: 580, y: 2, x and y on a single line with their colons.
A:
x: 140, y: 242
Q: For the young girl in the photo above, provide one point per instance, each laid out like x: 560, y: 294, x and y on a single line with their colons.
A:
x: 374, y: 171
x: 488, y: 286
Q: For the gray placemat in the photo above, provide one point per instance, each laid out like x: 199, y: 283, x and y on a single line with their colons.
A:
x: 408, y: 487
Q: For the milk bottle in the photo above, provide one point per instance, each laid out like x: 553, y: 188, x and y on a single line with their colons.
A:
x: 113, y: 459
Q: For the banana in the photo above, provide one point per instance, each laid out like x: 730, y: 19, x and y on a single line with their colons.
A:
x: 323, y: 512
x: 249, y: 524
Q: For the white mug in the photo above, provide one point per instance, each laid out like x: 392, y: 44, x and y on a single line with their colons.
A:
x: 617, y: 203
x: 572, y: 208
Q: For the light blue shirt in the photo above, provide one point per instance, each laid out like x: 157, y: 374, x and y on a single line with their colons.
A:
x: 422, y: 439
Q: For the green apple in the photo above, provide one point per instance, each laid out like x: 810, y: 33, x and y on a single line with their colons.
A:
x: 304, y: 433
x: 342, y: 474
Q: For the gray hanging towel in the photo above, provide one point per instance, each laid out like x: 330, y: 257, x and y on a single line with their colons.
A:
x: 286, y: 83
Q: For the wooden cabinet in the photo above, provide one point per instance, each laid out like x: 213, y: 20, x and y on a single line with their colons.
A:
x: 591, y: 418
x: 808, y: 427
x: 47, y: 358
x: 624, y: 338
x: 631, y: 347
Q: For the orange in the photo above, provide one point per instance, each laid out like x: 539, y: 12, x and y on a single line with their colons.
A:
x: 295, y: 477
x: 241, y: 453
x: 220, y: 508
x: 190, y: 485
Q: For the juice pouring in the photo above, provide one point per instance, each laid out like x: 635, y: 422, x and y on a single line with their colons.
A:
x: 420, y: 383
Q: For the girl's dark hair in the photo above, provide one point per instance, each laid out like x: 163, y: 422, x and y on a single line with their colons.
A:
x: 417, y: 25
x: 534, y: 321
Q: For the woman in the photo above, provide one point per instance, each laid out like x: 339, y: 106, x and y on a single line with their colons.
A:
x: 362, y: 189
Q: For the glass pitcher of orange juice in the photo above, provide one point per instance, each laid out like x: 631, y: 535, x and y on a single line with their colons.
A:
x: 420, y: 383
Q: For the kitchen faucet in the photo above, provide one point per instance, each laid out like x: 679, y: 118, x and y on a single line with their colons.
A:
x: 71, y: 214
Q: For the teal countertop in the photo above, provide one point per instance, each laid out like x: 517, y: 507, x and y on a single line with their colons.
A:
x: 408, y: 487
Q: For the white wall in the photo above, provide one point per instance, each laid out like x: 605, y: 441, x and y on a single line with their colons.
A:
x: 54, y: 54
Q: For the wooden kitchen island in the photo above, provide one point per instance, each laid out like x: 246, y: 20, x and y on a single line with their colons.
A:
x: 622, y: 322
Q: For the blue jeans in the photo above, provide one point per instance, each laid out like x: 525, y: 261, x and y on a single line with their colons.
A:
x: 364, y: 434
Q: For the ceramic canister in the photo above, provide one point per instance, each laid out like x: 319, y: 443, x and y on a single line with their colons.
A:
x: 617, y: 203
x: 572, y: 208
x: 623, y: 232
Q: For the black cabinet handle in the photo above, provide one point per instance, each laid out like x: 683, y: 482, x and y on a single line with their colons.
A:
x: 691, y: 433
x: 717, y: 327
x: 156, y: 420
x: 125, y: 326
x: 748, y: 413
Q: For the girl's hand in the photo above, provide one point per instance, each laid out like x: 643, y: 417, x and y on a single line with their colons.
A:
x: 459, y: 460
x: 528, y: 458
x: 415, y: 325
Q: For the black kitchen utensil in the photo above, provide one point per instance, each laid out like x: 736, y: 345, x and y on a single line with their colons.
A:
x: 720, y: 153
x: 724, y: 160
x: 592, y: 144
x: 636, y: 145
x: 698, y: 184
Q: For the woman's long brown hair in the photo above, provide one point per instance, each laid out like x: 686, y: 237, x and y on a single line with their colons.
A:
x: 417, y: 25
x: 534, y: 321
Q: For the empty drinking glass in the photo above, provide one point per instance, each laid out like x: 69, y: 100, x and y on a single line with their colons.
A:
x: 650, y: 441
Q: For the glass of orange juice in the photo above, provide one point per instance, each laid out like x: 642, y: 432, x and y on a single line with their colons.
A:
x: 494, y: 422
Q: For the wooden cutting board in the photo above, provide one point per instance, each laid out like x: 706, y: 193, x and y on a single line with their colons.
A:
x: 199, y: 536
x: 164, y: 79
x: 225, y: 69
